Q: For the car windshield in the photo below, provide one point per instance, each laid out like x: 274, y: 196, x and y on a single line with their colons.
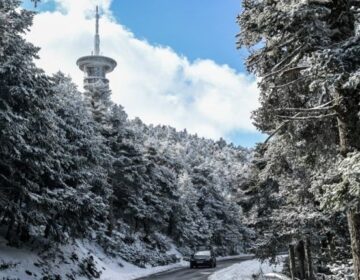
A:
x: 203, y: 253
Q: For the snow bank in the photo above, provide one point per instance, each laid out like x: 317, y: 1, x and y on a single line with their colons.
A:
x: 245, y: 270
x: 278, y: 276
x: 129, y: 271
x: 16, y: 263
x: 27, y: 263
x: 68, y: 260
x: 235, y: 257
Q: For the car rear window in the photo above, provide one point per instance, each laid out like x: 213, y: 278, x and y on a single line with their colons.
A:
x: 203, y: 253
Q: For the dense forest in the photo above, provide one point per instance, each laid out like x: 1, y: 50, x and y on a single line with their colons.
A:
x: 73, y: 166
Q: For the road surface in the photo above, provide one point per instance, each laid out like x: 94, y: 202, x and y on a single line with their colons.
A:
x: 194, y: 274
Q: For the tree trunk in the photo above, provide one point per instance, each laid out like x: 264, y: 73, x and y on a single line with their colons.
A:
x: 301, y: 257
x: 137, y: 222
x: 309, y: 266
x: 111, y: 222
x: 3, y: 218
x: 332, y: 248
x: 354, y: 228
x: 347, y: 110
x: 342, y: 125
x: 170, y: 229
x: 9, y: 236
x: 292, y: 261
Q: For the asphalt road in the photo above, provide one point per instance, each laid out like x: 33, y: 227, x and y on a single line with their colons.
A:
x: 193, y: 274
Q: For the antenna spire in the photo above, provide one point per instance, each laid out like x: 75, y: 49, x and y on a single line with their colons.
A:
x: 97, y: 36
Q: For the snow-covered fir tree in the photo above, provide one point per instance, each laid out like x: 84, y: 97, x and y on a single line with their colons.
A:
x: 306, y: 53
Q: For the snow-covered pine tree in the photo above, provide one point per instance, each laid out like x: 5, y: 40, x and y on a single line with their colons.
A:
x: 306, y: 53
x: 52, y: 159
x: 24, y: 90
x: 190, y: 229
x: 97, y: 97
x: 278, y: 202
x: 207, y: 173
x: 85, y: 161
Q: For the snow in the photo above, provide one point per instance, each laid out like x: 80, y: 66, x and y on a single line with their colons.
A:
x: 129, y: 271
x: 25, y: 261
x: 21, y: 263
x: 279, y: 276
x: 235, y: 257
x: 173, y: 251
x: 340, y: 270
x: 245, y: 270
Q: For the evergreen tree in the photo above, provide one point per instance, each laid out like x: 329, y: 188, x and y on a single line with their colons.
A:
x: 23, y: 104
x: 52, y: 159
x: 307, y: 55
x: 85, y: 160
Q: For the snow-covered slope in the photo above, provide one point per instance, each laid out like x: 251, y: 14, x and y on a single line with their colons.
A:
x: 81, y: 260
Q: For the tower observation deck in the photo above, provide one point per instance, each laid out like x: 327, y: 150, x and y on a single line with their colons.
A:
x: 96, y: 66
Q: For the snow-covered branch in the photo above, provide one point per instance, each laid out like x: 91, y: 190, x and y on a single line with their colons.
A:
x: 292, y: 54
x: 290, y: 83
x: 316, y: 109
x: 322, y: 107
x: 285, y: 70
x: 277, y: 130
x: 307, y: 117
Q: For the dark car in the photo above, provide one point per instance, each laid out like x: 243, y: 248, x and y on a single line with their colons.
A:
x: 203, y: 258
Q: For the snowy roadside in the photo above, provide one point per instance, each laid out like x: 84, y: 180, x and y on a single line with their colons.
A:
x: 155, y: 270
x: 235, y: 257
x: 131, y: 272
x: 245, y: 270
x: 66, y: 260
x: 143, y: 272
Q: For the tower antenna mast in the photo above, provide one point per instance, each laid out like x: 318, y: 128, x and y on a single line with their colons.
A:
x: 35, y: 2
x: 97, y: 36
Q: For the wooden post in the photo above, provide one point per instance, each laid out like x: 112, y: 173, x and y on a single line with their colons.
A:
x: 292, y: 261
x: 309, y: 266
x: 301, y: 257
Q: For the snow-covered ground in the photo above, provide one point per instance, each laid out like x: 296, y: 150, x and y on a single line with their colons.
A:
x: 245, y: 270
x: 27, y: 263
x: 234, y: 257
x: 340, y: 270
x: 70, y: 260
x: 130, y: 271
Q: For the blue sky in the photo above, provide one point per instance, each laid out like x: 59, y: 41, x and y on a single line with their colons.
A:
x: 194, y: 30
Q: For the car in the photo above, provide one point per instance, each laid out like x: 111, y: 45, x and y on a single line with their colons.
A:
x: 203, y: 258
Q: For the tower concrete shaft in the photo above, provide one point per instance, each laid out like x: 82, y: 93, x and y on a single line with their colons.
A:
x: 96, y: 85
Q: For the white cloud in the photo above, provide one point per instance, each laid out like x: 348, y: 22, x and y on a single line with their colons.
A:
x: 151, y: 82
